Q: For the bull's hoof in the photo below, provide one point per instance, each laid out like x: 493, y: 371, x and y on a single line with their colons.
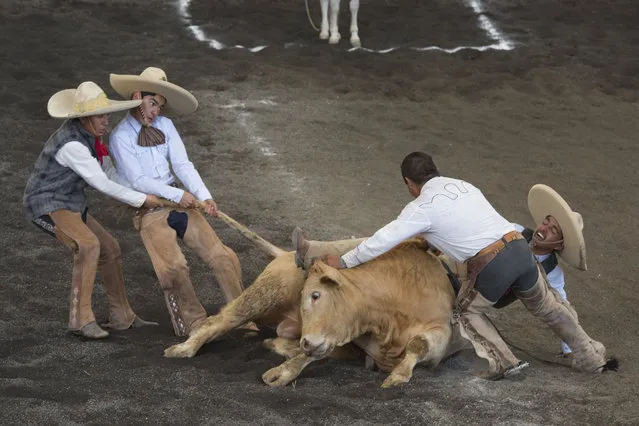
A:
x: 181, y: 350
x: 278, y: 376
x: 394, y: 380
x: 269, y: 344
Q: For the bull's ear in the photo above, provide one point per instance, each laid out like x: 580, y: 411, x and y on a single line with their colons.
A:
x: 326, y: 273
x: 329, y: 281
x: 332, y: 276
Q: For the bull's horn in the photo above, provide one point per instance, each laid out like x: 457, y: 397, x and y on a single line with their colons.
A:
x: 260, y: 242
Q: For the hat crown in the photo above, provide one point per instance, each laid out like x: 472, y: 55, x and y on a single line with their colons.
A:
x: 89, y: 97
x: 153, y: 73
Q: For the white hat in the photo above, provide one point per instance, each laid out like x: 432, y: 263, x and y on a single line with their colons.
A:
x: 178, y: 100
x: 544, y: 201
x: 88, y: 99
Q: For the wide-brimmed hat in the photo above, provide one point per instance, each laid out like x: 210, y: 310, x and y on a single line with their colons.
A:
x: 178, y: 100
x: 88, y: 99
x: 544, y: 201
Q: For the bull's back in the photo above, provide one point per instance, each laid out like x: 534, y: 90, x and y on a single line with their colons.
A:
x: 413, y: 278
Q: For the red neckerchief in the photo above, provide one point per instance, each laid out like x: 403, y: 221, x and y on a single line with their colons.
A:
x: 100, y: 149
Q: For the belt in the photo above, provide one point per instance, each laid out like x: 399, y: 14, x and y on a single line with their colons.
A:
x: 500, y: 244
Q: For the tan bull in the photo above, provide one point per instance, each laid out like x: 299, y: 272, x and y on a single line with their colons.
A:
x: 396, y: 308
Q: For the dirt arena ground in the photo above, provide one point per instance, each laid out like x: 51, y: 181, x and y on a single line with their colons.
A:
x: 303, y: 133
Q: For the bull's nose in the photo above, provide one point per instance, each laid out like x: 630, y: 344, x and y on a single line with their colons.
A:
x: 310, y: 343
x: 306, y: 346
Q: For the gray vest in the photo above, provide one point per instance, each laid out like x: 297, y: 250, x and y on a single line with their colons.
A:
x: 52, y: 186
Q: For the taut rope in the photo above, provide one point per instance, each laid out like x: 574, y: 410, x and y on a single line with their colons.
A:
x: 260, y: 242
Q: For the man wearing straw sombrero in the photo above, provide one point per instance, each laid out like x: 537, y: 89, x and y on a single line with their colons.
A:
x: 148, y: 151
x: 559, y: 233
x: 73, y: 158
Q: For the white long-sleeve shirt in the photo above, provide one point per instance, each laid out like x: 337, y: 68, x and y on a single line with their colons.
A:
x: 104, y: 178
x: 452, y: 215
x: 148, y: 169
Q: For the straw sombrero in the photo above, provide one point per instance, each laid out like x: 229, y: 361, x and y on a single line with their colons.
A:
x: 88, y: 99
x: 544, y: 201
x: 178, y: 100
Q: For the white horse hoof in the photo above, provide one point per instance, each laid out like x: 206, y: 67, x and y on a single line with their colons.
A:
x: 355, y: 42
x: 334, y: 39
x: 324, y: 35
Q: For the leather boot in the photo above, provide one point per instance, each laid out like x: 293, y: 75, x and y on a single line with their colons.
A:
x: 589, y: 355
x: 478, y: 329
x: 137, y: 323
x: 91, y: 331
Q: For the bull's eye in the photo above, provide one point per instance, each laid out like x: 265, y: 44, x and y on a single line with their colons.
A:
x: 315, y: 295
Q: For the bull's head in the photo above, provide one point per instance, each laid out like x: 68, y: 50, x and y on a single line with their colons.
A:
x: 327, y: 316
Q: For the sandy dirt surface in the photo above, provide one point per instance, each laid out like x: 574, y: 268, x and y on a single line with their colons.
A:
x: 303, y: 133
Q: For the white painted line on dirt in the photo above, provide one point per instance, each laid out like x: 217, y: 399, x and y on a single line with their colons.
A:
x: 487, y: 25
x: 242, y: 105
x: 250, y: 128
x: 484, y: 23
x: 183, y: 7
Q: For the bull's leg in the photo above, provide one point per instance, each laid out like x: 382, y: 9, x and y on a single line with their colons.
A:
x: 335, y: 35
x: 213, y: 326
x: 288, y: 348
x: 324, y: 26
x: 288, y: 371
x: 429, y: 346
x: 355, y: 41
x: 266, y: 297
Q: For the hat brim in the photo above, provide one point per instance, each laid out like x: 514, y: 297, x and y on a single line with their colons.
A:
x: 61, y: 105
x: 544, y: 201
x: 178, y: 100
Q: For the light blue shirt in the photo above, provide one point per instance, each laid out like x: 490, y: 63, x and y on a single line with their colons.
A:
x: 555, y: 277
x: 556, y: 280
x: 148, y: 169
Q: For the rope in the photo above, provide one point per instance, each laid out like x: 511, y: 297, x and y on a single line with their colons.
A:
x: 261, y: 243
x: 308, y: 15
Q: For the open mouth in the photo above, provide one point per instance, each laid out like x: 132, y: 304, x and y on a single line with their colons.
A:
x: 540, y: 236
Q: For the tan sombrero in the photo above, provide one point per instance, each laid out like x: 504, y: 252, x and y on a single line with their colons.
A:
x: 544, y: 201
x: 88, y: 99
x: 178, y: 100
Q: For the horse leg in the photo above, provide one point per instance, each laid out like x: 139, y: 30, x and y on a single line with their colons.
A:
x: 355, y: 41
x: 324, y: 26
x: 335, y: 35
